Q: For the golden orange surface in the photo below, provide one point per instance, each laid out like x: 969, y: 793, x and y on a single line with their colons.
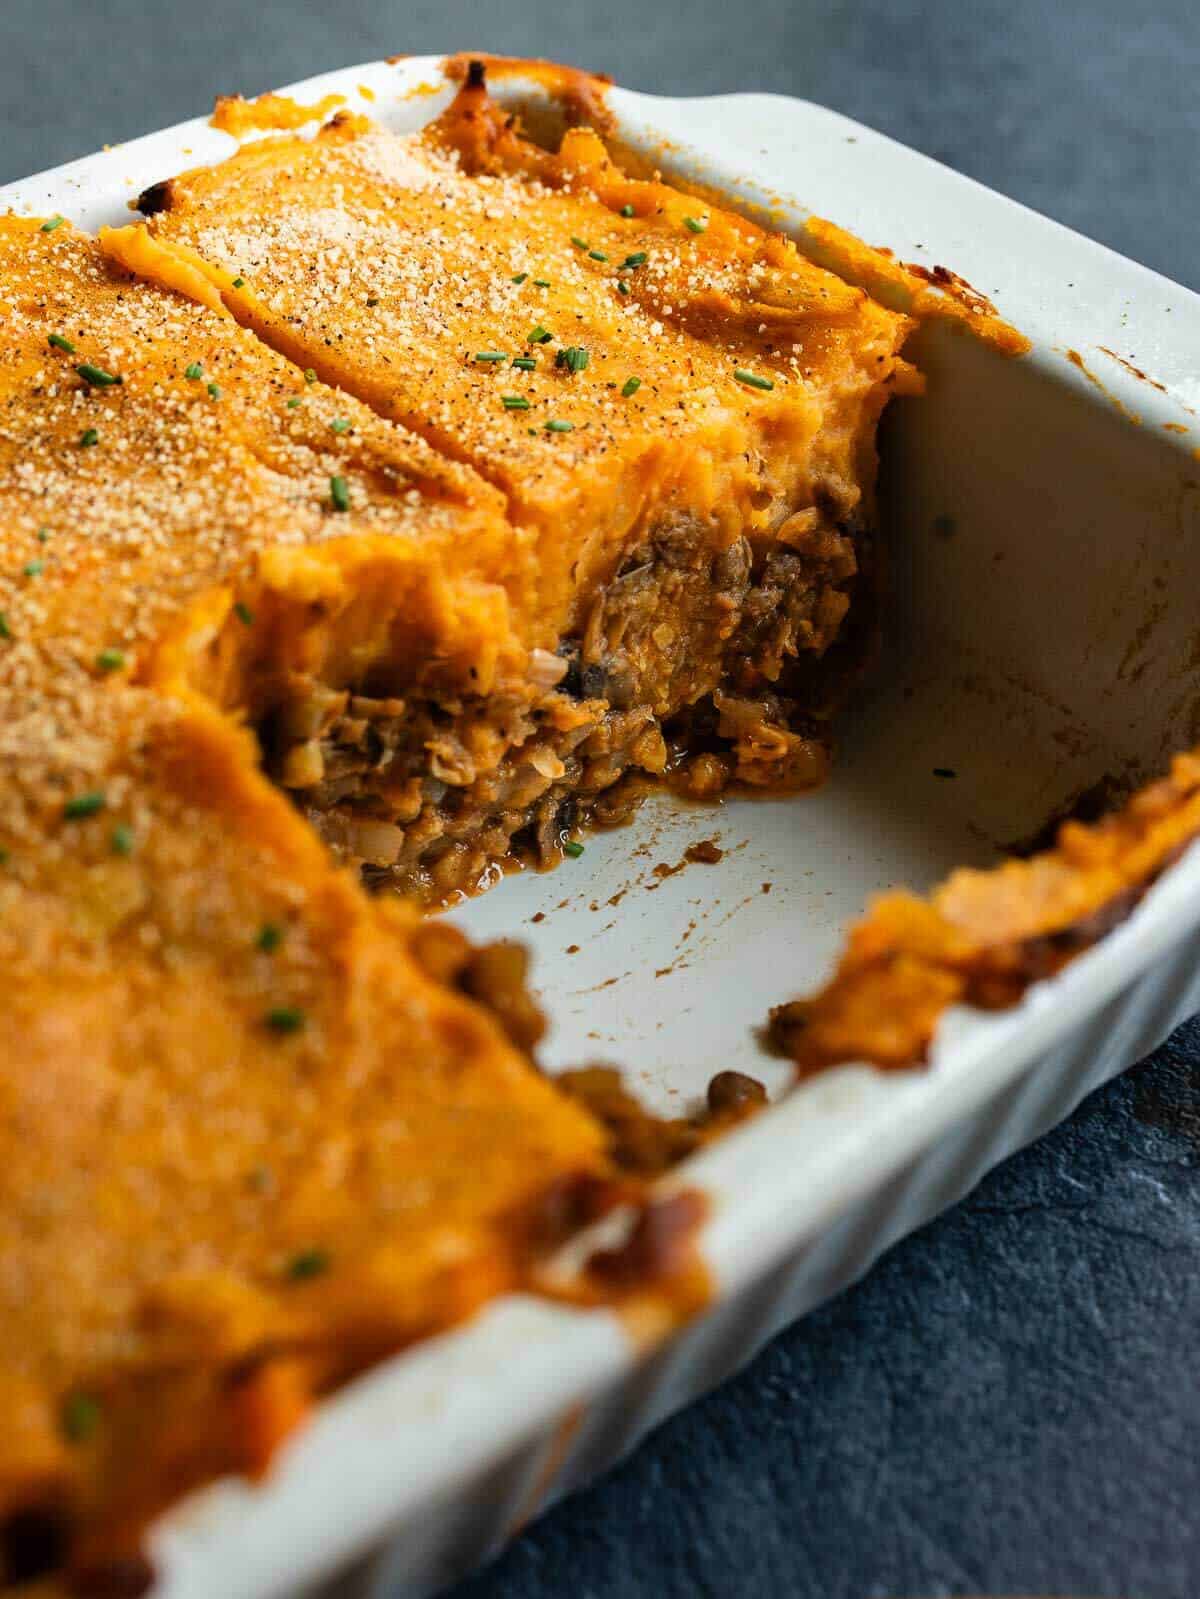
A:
x: 190, y: 472
x: 390, y: 265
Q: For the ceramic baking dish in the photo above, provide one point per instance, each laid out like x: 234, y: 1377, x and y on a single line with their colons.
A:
x: 1044, y: 519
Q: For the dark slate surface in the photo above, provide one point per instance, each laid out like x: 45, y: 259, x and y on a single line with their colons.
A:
x: 1009, y: 1402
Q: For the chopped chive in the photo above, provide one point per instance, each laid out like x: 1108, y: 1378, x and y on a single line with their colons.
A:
x: 80, y: 1418
x: 573, y: 849
x: 120, y: 840
x: 87, y: 438
x: 752, y: 379
x: 637, y: 259
x: 3, y: 857
x: 580, y: 244
x: 525, y: 362
x: 339, y: 425
x: 193, y: 371
x: 518, y: 277
x: 597, y: 255
x: 293, y: 404
x: 490, y: 355
x: 239, y: 283
x: 539, y: 335
x: 270, y: 936
x: 630, y: 386
x: 243, y: 613
x: 555, y: 426
x: 110, y: 660
x: 339, y: 493
x: 53, y: 222
x: 695, y: 224
x: 5, y: 630
x: 43, y: 533
x: 541, y: 283
x: 96, y: 377
x: 308, y: 1263
x: 214, y: 391
x: 33, y: 568
x: 310, y: 375
x: 514, y: 402
x: 627, y: 211
x: 284, y: 1019
x: 372, y: 299
x: 59, y: 343
x: 574, y: 358
x: 622, y: 286
x: 81, y: 805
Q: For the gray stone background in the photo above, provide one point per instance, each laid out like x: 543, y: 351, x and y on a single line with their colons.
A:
x: 1010, y: 1402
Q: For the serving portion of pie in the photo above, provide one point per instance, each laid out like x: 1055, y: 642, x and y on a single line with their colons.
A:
x: 678, y: 412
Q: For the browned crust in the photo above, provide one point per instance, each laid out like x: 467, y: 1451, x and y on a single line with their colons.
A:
x: 983, y: 938
x: 580, y: 94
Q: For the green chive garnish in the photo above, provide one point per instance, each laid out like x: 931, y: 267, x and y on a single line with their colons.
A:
x: 88, y: 437
x: 293, y: 404
x: 43, y: 533
x: 580, y: 244
x: 308, y: 1263
x: 3, y: 857
x: 270, y: 936
x: 490, y: 355
x: 194, y: 371
x: 752, y: 379
x: 33, y: 568
x: 555, y: 426
x: 339, y: 425
x: 339, y: 493
x: 96, y: 377
x: 214, y: 391
x: 372, y: 299
x: 525, y: 362
x: 59, y: 343
x: 541, y: 283
x: 514, y: 402
x: 622, y: 286
x: 284, y: 1019
x: 519, y: 277
x: 597, y: 255
x: 630, y: 386
x: 573, y: 849
x: 637, y: 259
x: 239, y: 283
x: 54, y: 222
x: 121, y: 839
x: 574, y: 358
x: 110, y: 660
x: 538, y: 335
x: 80, y: 1418
x: 5, y: 630
x: 82, y: 805
x: 627, y: 211
x: 243, y: 613
x: 309, y: 375
x: 695, y: 224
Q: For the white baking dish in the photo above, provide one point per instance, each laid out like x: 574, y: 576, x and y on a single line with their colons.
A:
x: 1046, y: 530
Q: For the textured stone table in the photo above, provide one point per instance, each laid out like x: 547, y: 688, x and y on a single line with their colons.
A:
x: 1009, y: 1403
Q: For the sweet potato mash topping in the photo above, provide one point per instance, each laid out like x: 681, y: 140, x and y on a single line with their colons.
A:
x: 269, y: 113
x: 984, y: 936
